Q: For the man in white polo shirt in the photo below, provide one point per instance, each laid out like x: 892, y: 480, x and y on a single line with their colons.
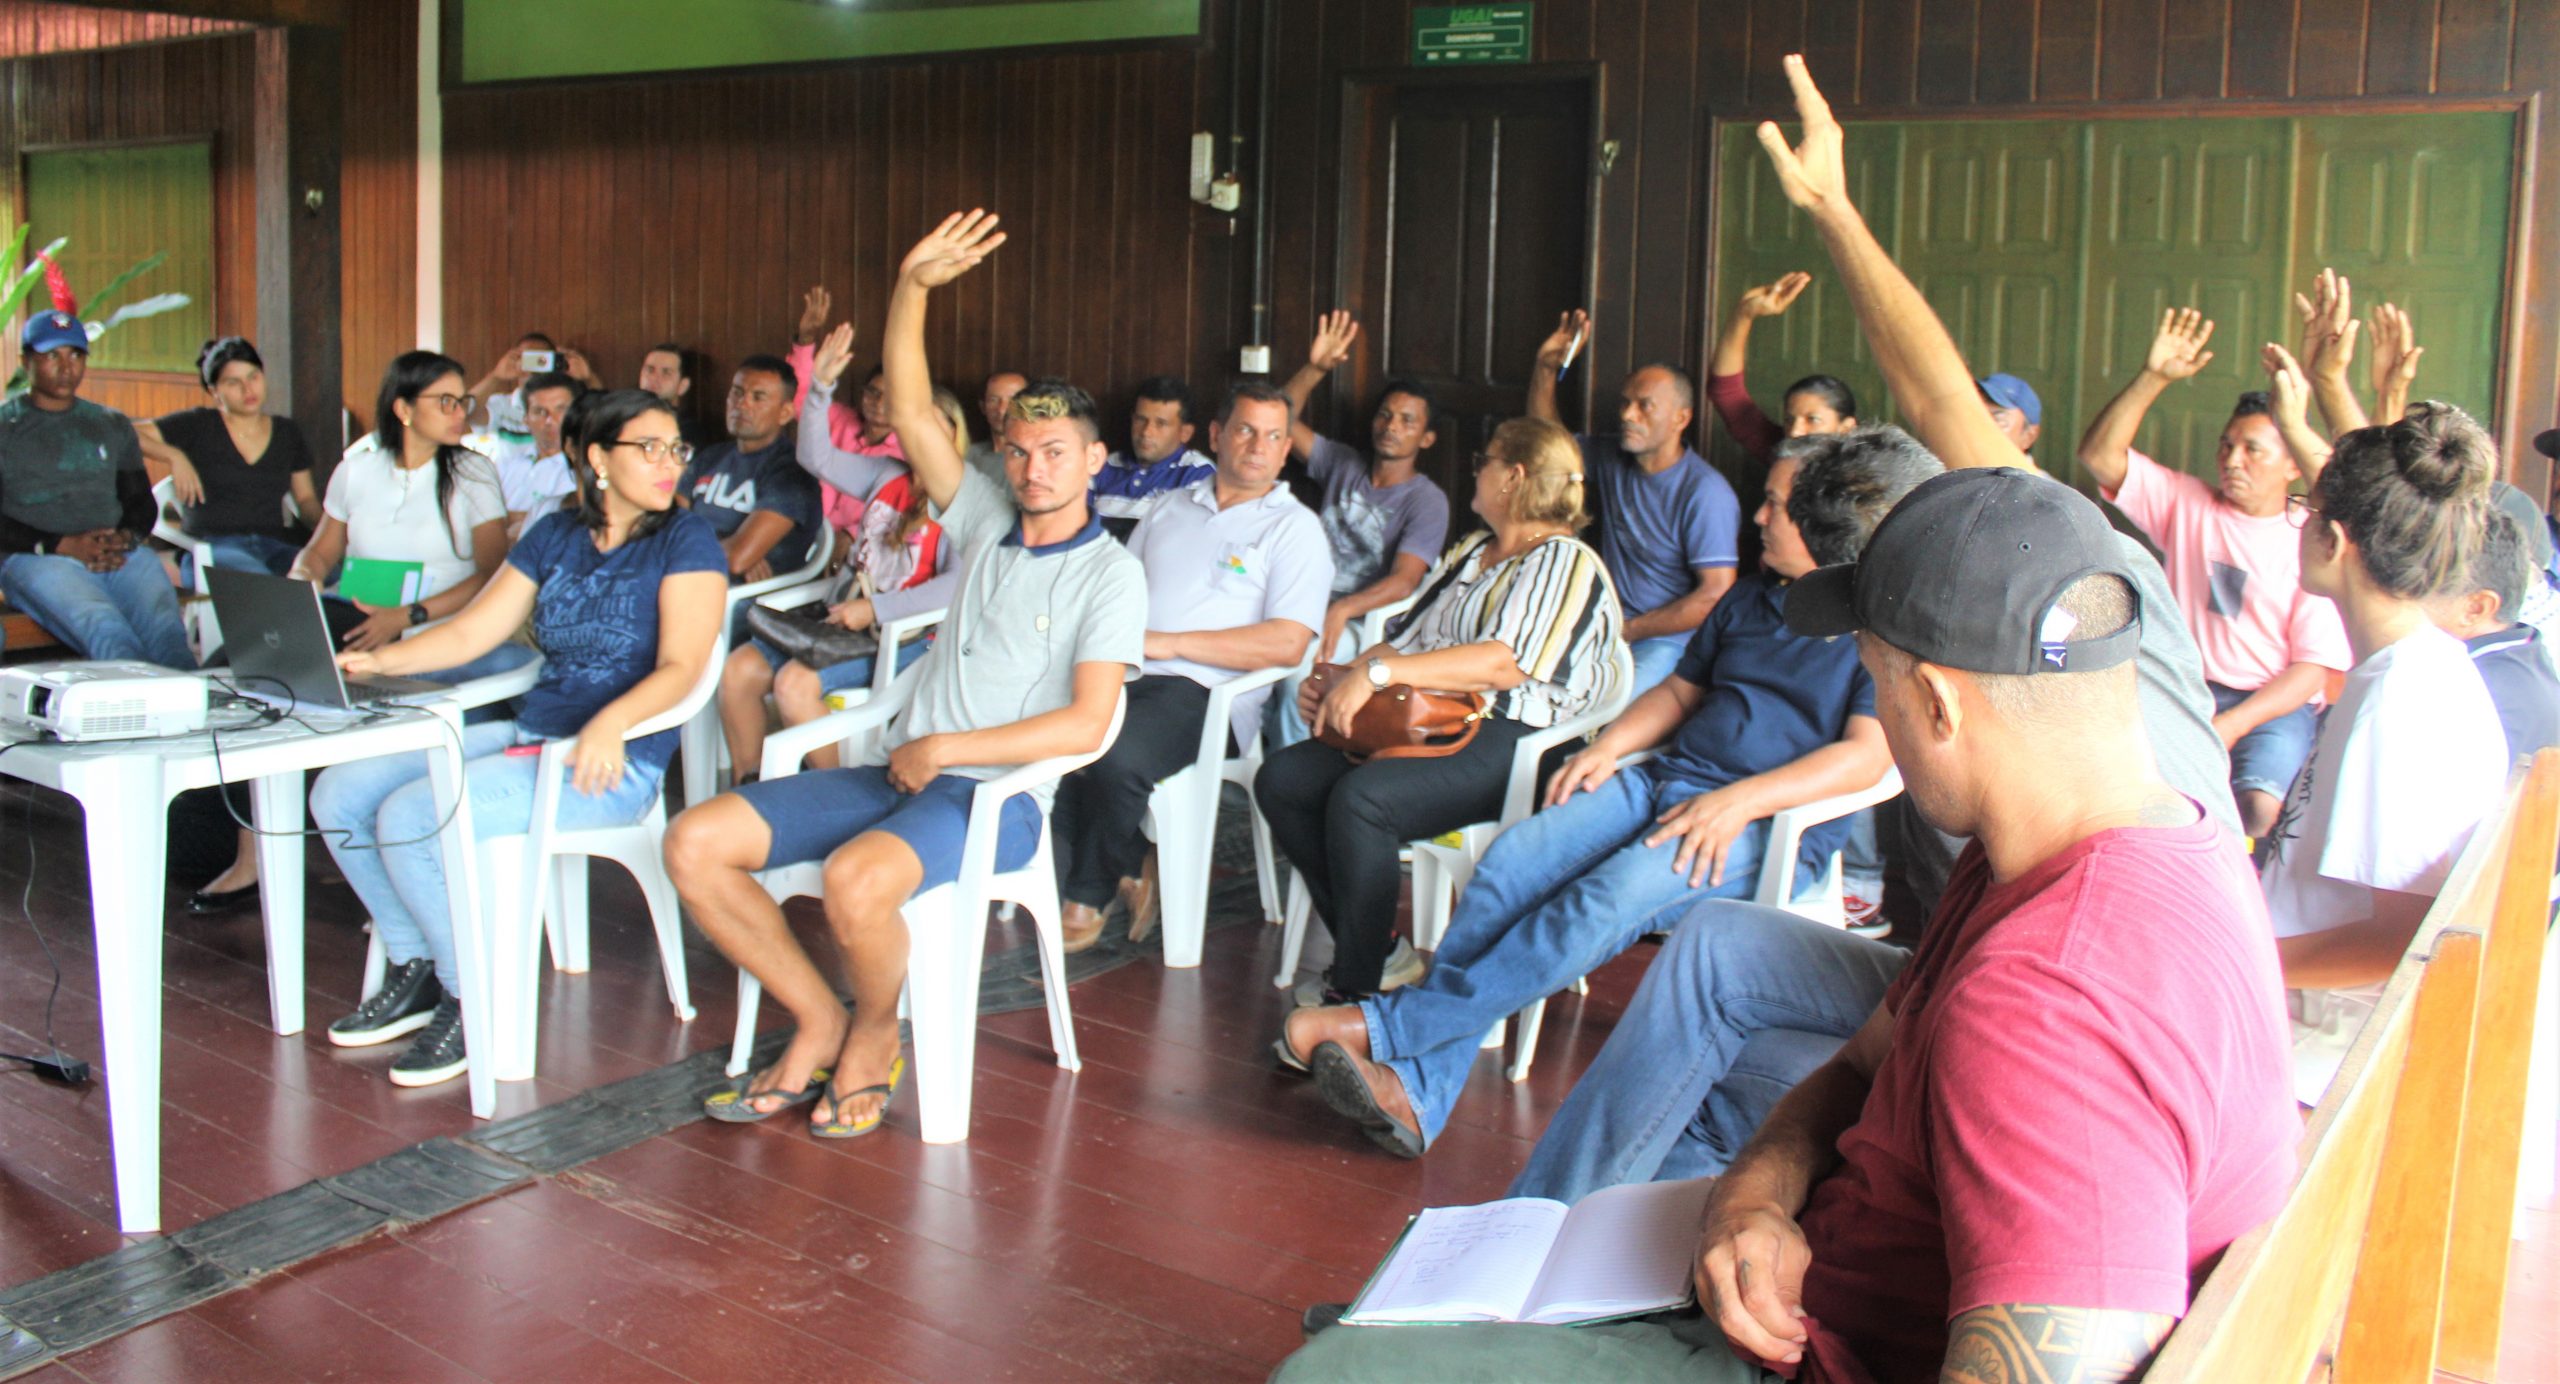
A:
x: 1047, y: 625
x: 1238, y: 573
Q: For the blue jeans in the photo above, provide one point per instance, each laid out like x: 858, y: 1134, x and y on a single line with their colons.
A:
x: 2266, y: 759
x: 129, y: 613
x: 1656, y: 658
x: 1555, y: 897
x: 1743, y: 1003
x: 382, y: 826
x: 245, y: 552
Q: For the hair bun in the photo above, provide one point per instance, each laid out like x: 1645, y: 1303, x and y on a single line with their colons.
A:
x: 2444, y: 453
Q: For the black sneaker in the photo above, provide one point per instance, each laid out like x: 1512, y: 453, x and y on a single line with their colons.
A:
x: 437, y: 1055
x: 405, y: 1002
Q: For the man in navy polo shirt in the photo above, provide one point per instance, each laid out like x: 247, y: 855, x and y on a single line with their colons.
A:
x: 1159, y: 460
x: 1755, y: 720
x: 1668, y: 520
x: 751, y: 487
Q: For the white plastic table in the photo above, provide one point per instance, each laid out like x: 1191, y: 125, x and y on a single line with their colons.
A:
x: 124, y: 788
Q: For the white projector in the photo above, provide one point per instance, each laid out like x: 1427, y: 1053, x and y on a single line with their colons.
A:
x: 102, y: 701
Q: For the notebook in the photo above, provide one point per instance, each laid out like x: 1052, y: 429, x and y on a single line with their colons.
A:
x: 1619, y: 1252
x: 377, y: 581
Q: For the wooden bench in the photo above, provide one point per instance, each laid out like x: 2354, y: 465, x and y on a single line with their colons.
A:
x: 2389, y: 1259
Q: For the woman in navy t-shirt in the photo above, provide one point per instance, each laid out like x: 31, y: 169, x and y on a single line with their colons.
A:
x: 625, y: 594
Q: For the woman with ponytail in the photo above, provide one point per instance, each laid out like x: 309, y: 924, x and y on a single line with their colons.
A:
x: 625, y: 595
x: 2410, y: 757
x: 235, y: 465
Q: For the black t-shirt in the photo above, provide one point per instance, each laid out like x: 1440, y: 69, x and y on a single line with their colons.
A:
x: 239, y: 498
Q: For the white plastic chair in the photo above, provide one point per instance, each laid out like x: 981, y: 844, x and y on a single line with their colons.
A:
x: 1182, y: 818
x: 699, y: 743
x: 946, y: 925
x: 534, y: 885
x: 204, y: 631
x: 1441, y: 871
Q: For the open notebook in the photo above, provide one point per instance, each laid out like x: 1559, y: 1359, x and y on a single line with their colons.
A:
x: 1619, y: 1252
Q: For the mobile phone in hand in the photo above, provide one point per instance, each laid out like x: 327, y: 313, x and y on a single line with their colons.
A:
x: 540, y: 362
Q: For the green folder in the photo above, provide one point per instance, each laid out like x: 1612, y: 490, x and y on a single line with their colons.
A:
x: 378, y: 581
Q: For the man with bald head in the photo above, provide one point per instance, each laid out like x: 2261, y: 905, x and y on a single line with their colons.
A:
x: 1669, y: 522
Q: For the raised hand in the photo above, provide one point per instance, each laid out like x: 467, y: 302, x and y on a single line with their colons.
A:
x: 574, y: 365
x: 2328, y: 324
x: 816, y: 306
x: 1335, y: 331
x: 2177, y: 351
x: 834, y: 354
x: 2288, y: 388
x: 1768, y: 300
x: 1569, y: 325
x: 2395, y: 361
x: 1812, y: 174
x: 958, y: 245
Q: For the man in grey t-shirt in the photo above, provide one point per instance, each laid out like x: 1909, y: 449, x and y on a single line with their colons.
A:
x: 1049, y: 622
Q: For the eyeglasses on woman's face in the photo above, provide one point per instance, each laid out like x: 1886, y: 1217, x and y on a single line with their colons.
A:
x: 2298, y: 510
x: 658, y: 450
x: 450, y: 403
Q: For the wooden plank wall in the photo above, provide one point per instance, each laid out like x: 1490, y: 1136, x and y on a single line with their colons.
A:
x: 378, y: 197
x: 617, y: 215
x: 1673, y: 68
x: 30, y: 26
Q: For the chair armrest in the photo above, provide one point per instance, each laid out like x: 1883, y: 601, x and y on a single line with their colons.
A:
x: 166, y: 527
x: 1222, y: 701
x: 793, y: 596
x: 1371, y: 626
x: 819, y: 552
x: 1788, y: 826
x: 884, y: 662
x: 497, y: 687
x: 785, y: 748
x: 1520, y: 798
x: 986, y: 804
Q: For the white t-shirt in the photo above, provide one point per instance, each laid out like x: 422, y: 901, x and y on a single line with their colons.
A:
x: 531, y: 487
x: 391, y: 513
x: 2408, y: 762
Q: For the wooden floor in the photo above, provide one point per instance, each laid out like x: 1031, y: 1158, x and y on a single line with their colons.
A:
x: 1164, y: 1214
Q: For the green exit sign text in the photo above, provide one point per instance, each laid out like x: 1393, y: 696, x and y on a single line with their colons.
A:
x: 1446, y: 34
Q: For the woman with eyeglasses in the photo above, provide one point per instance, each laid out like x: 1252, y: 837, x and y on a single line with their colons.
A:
x: 233, y: 465
x: 625, y: 595
x: 409, y: 491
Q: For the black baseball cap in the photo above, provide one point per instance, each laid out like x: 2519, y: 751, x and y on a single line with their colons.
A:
x: 2547, y: 442
x: 1966, y: 573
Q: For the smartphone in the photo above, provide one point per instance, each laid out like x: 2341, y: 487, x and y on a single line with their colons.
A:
x: 540, y: 362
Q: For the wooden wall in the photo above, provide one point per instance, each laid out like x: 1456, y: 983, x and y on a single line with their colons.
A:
x: 613, y: 216
x: 1674, y: 68
x: 378, y: 197
x: 30, y: 26
x: 198, y: 89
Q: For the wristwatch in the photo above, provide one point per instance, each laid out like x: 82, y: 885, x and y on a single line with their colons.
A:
x: 418, y: 613
x: 1378, y: 678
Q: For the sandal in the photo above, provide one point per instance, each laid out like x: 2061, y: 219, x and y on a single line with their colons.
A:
x: 736, y: 1104
x: 840, y: 1128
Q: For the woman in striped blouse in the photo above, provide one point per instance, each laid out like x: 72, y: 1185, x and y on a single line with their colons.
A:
x: 1526, y: 616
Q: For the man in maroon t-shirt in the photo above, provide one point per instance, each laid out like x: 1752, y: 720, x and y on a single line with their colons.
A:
x: 2075, y: 1096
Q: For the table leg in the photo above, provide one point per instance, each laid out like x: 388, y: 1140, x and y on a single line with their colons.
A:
x: 471, y: 943
x: 127, y: 821
x: 276, y: 806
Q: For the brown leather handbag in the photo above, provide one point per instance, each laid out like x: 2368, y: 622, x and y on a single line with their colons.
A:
x: 1401, y: 721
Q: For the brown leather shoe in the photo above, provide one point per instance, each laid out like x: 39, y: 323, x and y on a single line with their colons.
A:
x: 1141, y: 894
x: 1370, y: 1095
x: 1306, y: 1029
x: 1081, y: 925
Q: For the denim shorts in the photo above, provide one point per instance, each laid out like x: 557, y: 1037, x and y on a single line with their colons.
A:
x: 2266, y: 759
x: 812, y: 813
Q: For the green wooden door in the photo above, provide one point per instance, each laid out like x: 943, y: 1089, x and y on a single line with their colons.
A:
x: 2413, y: 209
x: 120, y: 205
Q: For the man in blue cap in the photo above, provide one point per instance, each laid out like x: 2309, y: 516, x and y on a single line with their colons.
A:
x: 74, y: 506
x: 2015, y: 410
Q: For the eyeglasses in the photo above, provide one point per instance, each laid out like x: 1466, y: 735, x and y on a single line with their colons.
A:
x: 1482, y: 460
x: 451, y: 403
x: 2298, y: 510
x: 659, y: 449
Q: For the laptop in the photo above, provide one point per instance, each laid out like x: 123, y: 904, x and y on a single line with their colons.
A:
x: 275, y: 632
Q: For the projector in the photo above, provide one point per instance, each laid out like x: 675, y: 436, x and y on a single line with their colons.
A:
x: 102, y: 701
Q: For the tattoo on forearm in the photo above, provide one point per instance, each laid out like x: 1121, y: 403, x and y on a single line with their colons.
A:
x: 2022, y: 1343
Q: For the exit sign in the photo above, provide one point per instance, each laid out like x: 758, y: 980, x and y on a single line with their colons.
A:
x: 1444, y: 35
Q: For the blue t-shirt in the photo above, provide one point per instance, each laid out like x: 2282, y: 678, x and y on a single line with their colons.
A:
x: 1773, y: 697
x: 1658, y: 528
x: 726, y: 485
x: 596, y: 618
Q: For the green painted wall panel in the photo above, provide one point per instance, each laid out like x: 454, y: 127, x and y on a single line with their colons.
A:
x: 120, y: 205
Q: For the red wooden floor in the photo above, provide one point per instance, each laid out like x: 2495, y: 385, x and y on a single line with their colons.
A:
x: 1164, y: 1214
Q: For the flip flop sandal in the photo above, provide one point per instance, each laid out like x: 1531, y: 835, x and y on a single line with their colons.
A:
x: 735, y: 1104
x: 839, y: 1127
x: 1338, y: 1080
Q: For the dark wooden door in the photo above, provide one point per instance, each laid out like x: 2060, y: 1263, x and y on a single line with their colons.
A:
x: 1466, y: 228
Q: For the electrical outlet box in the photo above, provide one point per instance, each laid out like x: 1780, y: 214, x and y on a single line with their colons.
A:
x: 1255, y: 360
x: 1204, y: 164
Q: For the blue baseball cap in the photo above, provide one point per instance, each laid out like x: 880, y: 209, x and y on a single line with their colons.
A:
x: 2008, y: 391
x: 47, y: 331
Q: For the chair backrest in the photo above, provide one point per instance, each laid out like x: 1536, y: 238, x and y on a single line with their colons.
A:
x: 2399, y: 1200
x: 1520, y: 794
x: 695, y: 698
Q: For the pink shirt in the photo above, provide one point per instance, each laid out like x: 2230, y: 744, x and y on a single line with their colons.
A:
x: 2087, y: 1099
x: 2237, y: 577
x: 844, y: 428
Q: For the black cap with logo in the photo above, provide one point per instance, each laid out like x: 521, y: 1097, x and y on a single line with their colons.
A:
x: 1966, y: 573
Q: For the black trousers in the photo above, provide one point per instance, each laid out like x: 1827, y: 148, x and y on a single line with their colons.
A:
x: 1341, y: 824
x: 1097, y: 822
